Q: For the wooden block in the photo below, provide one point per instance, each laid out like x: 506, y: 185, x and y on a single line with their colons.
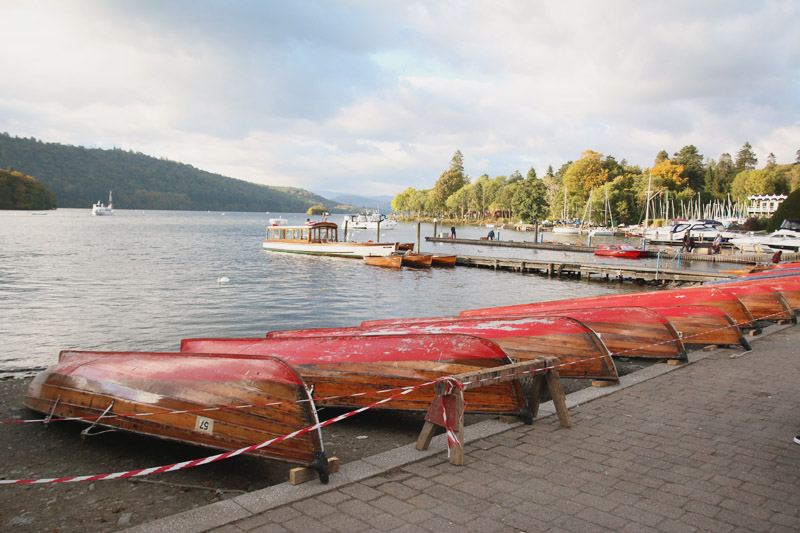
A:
x: 710, y: 347
x: 603, y: 383
x: 674, y: 362
x: 301, y: 474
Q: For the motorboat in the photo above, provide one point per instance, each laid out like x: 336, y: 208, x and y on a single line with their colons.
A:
x: 786, y: 238
x: 701, y: 230
x: 100, y: 210
x: 279, y: 221
x: 624, y: 251
x: 320, y: 238
x: 368, y: 221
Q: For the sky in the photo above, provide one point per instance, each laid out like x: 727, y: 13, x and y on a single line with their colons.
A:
x: 372, y: 97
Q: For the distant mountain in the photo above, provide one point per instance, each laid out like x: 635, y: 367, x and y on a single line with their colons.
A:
x: 381, y: 203
x: 80, y: 176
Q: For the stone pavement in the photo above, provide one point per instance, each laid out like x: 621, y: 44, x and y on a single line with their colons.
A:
x: 701, y: 447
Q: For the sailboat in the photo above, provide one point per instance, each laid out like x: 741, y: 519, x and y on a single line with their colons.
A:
x: 99, y: 209
x: 605, y: 231
x: 565, y: 230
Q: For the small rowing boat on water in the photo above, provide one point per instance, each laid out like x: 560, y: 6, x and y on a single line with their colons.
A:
x: 356, y: 371
x: 416, y: 260
x: 258, y: 399
x: 388, y: 261
x: 443, y: 260
x: 320, y: 238
x: 581, y: 353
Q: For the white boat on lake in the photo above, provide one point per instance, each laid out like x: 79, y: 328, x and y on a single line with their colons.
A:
x: 786, y: 238
x: 701, y: 230
x: 100, y: 210
x: 321, y: 238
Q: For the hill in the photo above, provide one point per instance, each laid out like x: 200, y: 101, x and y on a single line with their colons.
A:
x: 18, y: 191
x: 381, y: 203
x: 81, y: 176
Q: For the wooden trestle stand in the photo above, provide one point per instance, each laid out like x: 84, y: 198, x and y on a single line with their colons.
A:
x: 447, y: 408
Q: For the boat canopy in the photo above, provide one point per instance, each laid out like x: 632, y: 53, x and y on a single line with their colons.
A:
x: 316, y: 233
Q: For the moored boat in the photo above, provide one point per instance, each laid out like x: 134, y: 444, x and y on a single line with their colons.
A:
x: 417, y: 260
x: 443, y: 260
x: 320, y: 238
x: 356, y: 371
x: 386, y: 261
x: 625, y: 251
x: 226, y: 402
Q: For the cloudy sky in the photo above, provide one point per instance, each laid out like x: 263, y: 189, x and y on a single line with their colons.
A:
x: 372, y: 96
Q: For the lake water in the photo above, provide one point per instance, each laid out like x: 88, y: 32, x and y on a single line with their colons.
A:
x: 142, y: 281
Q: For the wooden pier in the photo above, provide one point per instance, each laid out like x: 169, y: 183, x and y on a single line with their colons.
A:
x: 591, y: 271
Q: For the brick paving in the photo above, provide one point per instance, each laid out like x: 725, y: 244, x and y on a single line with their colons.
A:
x: 704, y: 447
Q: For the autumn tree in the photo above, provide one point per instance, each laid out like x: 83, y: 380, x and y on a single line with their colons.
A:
x: 670, y: 173
x: 766, y: 181
x: 693, y: 169
x: 586, y: 173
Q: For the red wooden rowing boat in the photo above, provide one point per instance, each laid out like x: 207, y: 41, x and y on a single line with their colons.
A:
x: 355, y: 371
x: 703, y: 325
x: 443, y: 260
x: 388, y: 261
x: 108, y: 384
x: 787, y: 286
x: 415, y: 260
x: 581, y: 353
x: 714, y: 296
x: 763, y: 302
x: 623, y: 251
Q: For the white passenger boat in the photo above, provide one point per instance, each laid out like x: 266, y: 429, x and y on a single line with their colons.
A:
x: 100, y: 210
x: 321, y: 238
x: 786, y: 238
x: 368, y: 221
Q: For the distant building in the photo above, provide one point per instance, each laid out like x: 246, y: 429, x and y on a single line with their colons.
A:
x: 764, y: 205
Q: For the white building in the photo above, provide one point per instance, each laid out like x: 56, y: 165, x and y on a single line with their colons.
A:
x: 764, y: 205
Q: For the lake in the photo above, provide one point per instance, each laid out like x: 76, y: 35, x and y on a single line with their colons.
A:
x: 142, y: 281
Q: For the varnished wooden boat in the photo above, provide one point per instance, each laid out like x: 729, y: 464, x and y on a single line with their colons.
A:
x: 787, y: 286
x: 443, y: 260
x: 415, y: 260
x: 389, y: 261
x: 355, y: 371
x: 108, y: 384
x: 580, y: 351
x: 763, y: 302
x: 703, y: 325
x: 630, y: 331
x: 714, y: 296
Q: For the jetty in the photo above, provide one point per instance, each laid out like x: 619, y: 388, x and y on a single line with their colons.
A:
x: 601, y: 272
x: 607, y: 271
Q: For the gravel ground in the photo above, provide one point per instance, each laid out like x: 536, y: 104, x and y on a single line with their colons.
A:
x: 31, y: 450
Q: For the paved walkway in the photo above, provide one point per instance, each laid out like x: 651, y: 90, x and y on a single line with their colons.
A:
x: 703, y: 447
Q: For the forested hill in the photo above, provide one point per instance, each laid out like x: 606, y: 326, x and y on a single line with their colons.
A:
x: 18, y: 191
x: 80, y: 177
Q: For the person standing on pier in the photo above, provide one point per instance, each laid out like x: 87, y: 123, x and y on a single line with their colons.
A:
x: 717, y: 243
x: 452, y: 232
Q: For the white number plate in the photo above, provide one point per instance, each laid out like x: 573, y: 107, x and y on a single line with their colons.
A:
x: 204, y: 425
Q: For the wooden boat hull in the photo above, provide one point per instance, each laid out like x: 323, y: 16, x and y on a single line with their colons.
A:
x: 636, y: 332
x: 443, y: 261
x: 763, y: 302
x: 703, y: 325
x: 389, y: 261
x: 348, y: 370
x: 85, y: 384
x: 788, y: 287
x: 581, y: 353
x: 415, y: 260
x: 714, y: 296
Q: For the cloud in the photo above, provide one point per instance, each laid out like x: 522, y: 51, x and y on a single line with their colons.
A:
x: 378, y: 96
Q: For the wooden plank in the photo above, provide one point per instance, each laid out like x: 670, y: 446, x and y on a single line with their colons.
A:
x: 303, y: 474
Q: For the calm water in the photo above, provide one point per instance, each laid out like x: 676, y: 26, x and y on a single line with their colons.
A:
x: 142, y: 281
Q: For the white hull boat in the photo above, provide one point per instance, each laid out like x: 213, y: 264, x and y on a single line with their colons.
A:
x: 321, y: 238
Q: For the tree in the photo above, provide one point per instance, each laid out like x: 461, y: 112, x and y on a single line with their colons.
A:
x: 671, y: 174
x: 789, y: 208
x: 767, y: 181
x: 797, y: 158
x: 661, y: 156
x: 449, y: 182
x: 529, y: 200
x: 585, y: 174
x: 693, y: 169
x: 771, y: 160
x: 746, y: 159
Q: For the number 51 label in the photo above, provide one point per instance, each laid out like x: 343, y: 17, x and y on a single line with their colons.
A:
x: 204, y: 425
